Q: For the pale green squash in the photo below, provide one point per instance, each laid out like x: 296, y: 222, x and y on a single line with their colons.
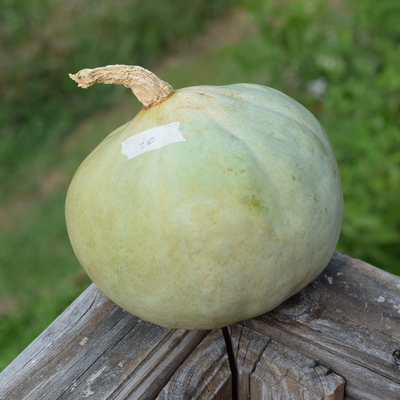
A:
x: 219, y: 228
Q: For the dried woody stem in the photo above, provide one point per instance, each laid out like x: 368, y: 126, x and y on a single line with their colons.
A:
x: 146, y: 86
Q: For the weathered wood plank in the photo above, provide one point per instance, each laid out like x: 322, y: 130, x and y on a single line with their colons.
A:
x: 349, y: 320
x: 204, y: 375
x: 96, y: 350
x: 271, y: 370
x: 267, y: 370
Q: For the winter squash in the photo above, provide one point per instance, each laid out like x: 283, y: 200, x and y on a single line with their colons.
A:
x: 213, y: 205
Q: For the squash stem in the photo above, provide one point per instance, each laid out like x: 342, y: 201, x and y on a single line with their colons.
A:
x: 146, y: 86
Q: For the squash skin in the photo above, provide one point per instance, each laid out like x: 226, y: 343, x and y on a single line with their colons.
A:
x: 220, y: 228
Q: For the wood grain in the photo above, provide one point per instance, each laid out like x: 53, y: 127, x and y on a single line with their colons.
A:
x: 345, y: 324
x: 271, y: 370
x: 267, y: 370
x: 348, y: 319
x: 204, y: 375
x: 96, y: 350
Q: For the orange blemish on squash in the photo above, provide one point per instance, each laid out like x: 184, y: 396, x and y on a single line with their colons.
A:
x: 205, y: 95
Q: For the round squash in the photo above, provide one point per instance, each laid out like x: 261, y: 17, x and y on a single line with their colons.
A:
x: 213, y: 205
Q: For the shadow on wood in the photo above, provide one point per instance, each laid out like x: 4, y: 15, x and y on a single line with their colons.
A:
x: 340, y: 333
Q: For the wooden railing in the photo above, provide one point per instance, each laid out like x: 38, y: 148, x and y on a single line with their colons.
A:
x: 338, y: 338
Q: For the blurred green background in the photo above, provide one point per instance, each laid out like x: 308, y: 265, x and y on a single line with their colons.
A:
x: 338, y: 58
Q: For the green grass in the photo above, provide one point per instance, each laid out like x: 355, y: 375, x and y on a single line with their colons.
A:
x: 40, y: 273
x: 350, y: 52
x: 354, y: 54
x: 42, y: 41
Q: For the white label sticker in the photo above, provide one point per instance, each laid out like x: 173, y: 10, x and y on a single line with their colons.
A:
x: 152, y: 139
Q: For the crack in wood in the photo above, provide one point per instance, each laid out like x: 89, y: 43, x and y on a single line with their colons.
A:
x: 396, y: 357
x: 256, y: 363
x: 232, y: 362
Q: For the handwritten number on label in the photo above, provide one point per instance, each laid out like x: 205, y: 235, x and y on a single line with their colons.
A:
x: 152, y: 139
x: 149, y: 142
